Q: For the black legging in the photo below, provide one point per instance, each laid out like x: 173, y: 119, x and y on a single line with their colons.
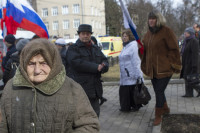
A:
x: 159, y: 86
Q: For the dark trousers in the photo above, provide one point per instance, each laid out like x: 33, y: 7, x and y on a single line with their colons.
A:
x: 126, y: 97
x: 159, y: 86
x: 188, y: 89
x: 95, y: 105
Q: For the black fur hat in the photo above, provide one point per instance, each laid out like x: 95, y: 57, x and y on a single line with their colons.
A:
x: 85, y: 27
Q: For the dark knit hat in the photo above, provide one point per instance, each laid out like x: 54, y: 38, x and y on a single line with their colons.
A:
x: 190, y: 30
x: 85, y: 27
x: 10, y: 39
x: 21, y: 43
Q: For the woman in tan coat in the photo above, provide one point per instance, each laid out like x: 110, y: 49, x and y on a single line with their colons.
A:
x: 160, y: 60
x: 40, y: 98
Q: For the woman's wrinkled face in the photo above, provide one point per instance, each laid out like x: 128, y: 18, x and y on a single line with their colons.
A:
x: 38, y: 69
x: 152, y: 22
x: 125, y: 37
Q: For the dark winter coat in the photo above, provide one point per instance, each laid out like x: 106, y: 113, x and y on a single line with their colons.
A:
x: 63, y: 52
x: 10, y: 68
x: 84, y: 64
x: 190, y: 58
x: 161, y: 56
x: 12, y: 49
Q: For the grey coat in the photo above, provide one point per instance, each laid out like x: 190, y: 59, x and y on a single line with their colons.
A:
x: 57, y: 106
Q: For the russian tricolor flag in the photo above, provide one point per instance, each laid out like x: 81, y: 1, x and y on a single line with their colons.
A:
x: 19, y: 13
x: 128, y: 23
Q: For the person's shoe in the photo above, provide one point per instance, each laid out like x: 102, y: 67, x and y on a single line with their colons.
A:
x: 102, y: 100
x: 158, y: 116
x: 187, y: 96
x: 166, y: 109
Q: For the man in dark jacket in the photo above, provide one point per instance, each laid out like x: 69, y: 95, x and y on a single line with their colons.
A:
x: 189, y: 54
x: 10, y: 44
x: 87, y: 62
x: 196, y: 27
x: 13, y: 62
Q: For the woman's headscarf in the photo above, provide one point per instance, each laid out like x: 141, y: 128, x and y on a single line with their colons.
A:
x: 49, y: 52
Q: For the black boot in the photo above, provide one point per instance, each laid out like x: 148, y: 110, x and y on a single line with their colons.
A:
x: 198, y: 94
x: 197, y: 88
x: 188, y: 90
x: 102, y: 100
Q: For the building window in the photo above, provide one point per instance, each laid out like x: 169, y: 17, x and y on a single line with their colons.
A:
x: 92, y: 10
x: 93, y: 24
x: 65, y: 24
x: 67, y: 36
x: 65, y: 10
x: 76, y: 36
x: 96, y: 12
x: 44, y: 12
x: 47, y: 25
x: 99, y: 13
x: 76, y: 8
x: 76, y: 23
x: 100, y: 25
x: 31, y: 3
x: 55, y: 25
x: 97, y: 25
x: 54, y: 11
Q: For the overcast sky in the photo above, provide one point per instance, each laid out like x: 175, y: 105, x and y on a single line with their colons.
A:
x: 177, y: 2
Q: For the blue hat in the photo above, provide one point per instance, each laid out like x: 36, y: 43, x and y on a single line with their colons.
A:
x: 190, y: 30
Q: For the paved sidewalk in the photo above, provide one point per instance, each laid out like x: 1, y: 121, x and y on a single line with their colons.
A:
x: 114, y: 121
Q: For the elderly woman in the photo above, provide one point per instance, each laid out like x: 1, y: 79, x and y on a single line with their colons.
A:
x: 40, y: 98
x: 129, y: 72
x: 160, y: 60
x: 189, y: 54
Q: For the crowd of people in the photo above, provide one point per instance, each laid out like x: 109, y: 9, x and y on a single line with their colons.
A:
x: 55, y: 87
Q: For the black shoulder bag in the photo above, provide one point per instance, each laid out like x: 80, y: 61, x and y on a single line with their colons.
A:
x: 141, y: 93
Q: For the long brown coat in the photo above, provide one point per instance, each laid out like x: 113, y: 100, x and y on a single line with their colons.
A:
x: 161, y: 54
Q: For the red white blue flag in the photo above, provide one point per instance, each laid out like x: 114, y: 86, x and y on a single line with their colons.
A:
x: 128, y: 23
x: 19, y: 13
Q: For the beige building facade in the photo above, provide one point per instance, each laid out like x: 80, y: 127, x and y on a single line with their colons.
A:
x: 62, y: 17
